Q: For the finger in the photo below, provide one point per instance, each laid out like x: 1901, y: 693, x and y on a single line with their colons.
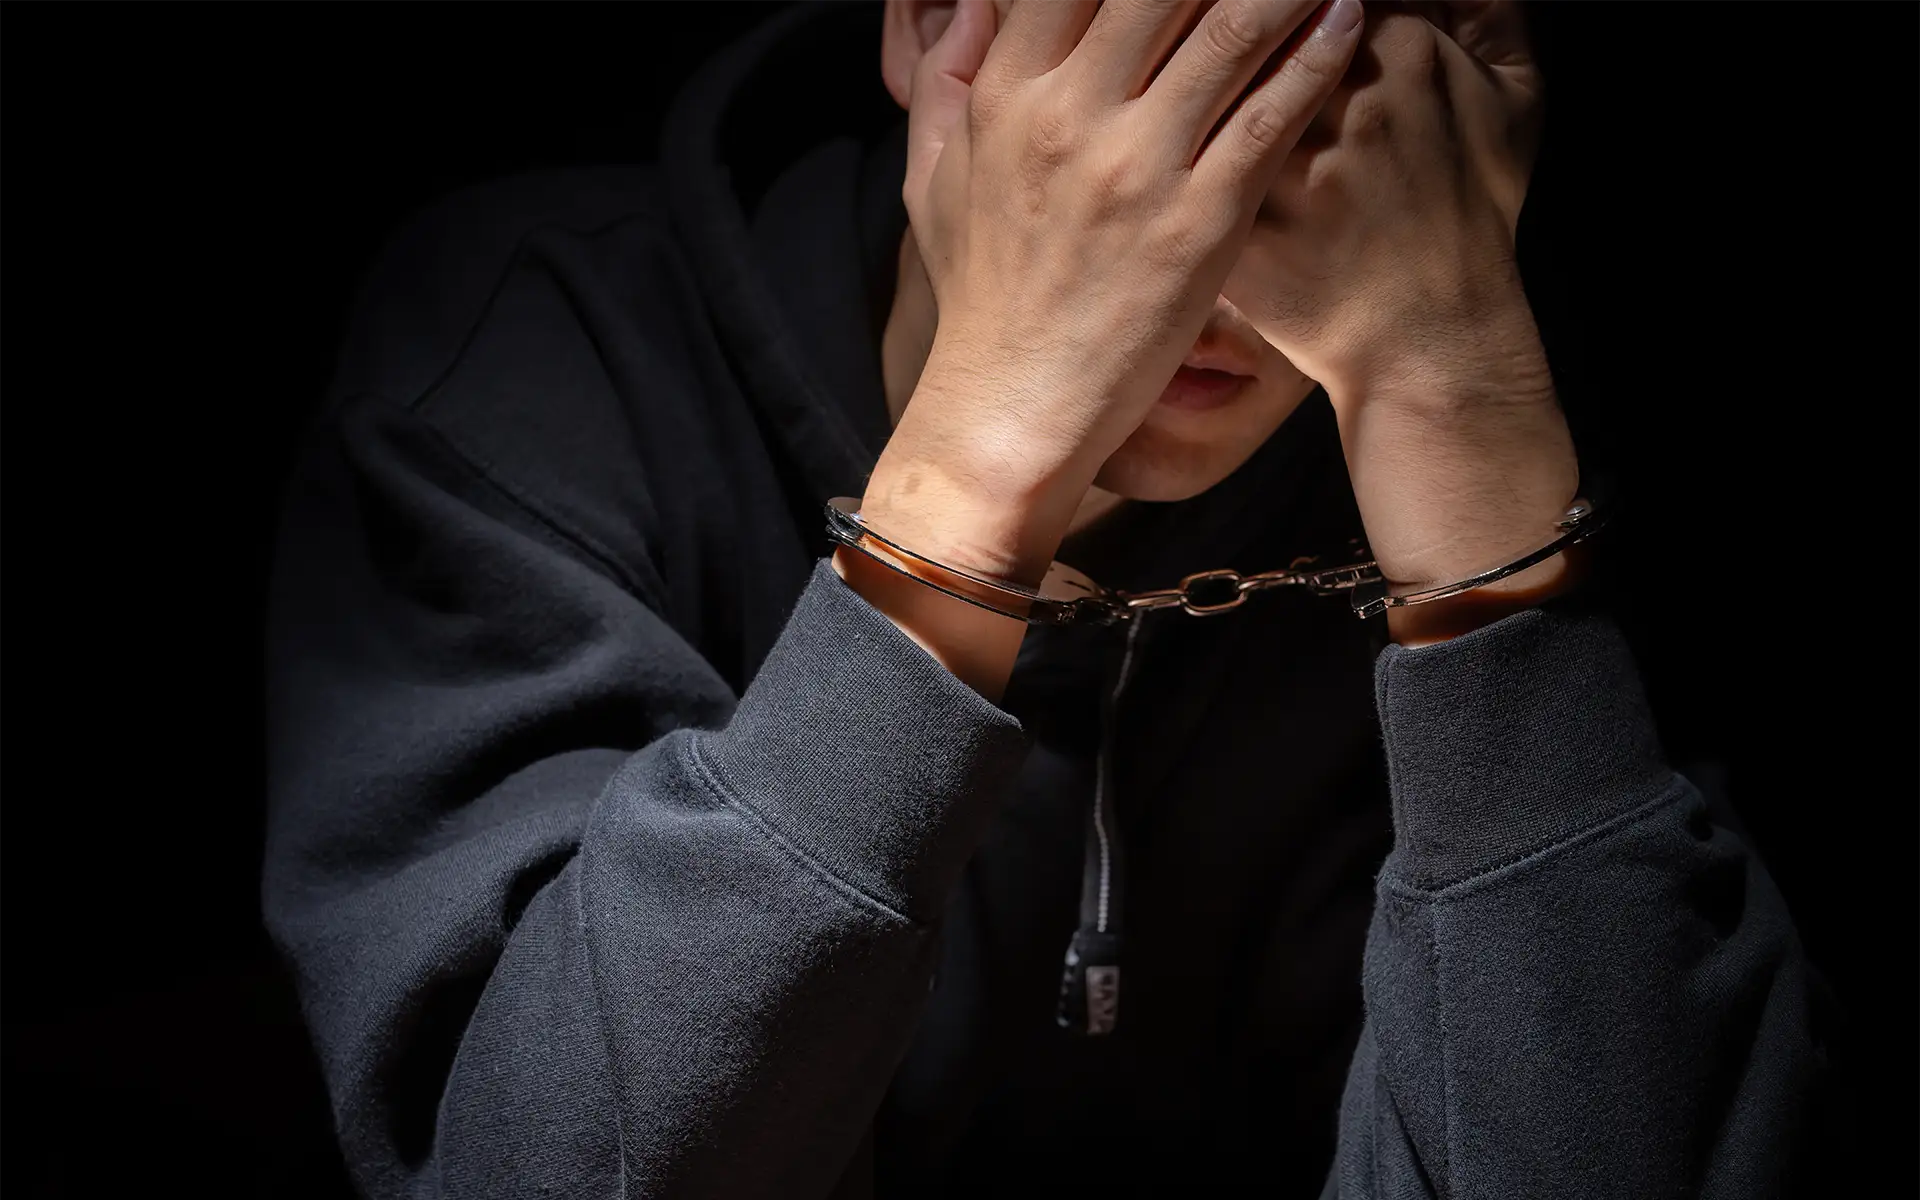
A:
x: 1243, y: 156
x: 1493, y: 31
x: 1036, y: 37
x: 1215, y: 63
x: 941, y: 84
x: 1128, y: 43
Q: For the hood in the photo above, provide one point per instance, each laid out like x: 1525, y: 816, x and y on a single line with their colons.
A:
x: 793, y: 95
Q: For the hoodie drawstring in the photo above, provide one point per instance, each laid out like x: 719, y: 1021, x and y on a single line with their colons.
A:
x: 1090, y: 977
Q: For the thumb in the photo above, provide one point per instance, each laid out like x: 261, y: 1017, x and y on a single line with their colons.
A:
x: 941, y: 85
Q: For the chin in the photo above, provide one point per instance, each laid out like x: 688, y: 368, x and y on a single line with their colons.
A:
x: 1159, y: 473
x: 1177, y: 455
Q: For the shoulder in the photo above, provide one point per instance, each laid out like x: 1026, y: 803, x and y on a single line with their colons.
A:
x: 542, y: 329
x: 444, y: 271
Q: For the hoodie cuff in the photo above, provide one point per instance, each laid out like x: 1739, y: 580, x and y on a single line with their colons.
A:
x: 863, y: 751
x: 1511, y: 738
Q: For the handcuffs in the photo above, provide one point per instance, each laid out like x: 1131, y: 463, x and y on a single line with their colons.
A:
x: 1067, y: 596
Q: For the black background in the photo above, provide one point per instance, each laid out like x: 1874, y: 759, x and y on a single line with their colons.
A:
x: 1720, y: 245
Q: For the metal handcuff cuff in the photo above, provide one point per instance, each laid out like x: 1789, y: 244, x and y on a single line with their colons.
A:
x: 1066, y: 596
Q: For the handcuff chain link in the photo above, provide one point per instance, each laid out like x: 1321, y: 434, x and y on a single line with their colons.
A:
x: 1190, y: 594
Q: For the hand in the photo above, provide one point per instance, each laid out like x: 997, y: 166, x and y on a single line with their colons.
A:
x: 1383, y: 265
x: 1076, y: 221
x: 1390, y: 230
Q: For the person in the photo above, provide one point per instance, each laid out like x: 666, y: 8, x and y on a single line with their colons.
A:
x: 631, y: 836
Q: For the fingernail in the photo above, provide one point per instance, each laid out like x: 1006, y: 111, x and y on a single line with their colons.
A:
x: 1343, y: 17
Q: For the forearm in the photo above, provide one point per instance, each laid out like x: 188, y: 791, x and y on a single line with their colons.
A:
x: 727, y: 948
x: 568, y: 911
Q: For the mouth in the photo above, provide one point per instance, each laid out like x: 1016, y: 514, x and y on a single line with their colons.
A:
x: 1213, y: 375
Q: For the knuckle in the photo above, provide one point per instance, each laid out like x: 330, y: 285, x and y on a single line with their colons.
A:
x: 1405, y: 40
x: 975, y: 114
x: 1113, y: 183
x: 1417, y: 57
x: 914, y: 197
x: 1264, y: 125
x: 1053, y: 138
x: 1321, y: 179
x: 1157, y: 13
x: 1369, y: 117
x: 1234, y: 31
x: 1400, y: 28
x: 984, y: 102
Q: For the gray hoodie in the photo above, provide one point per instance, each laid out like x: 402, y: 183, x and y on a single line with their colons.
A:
x: 620, y: 849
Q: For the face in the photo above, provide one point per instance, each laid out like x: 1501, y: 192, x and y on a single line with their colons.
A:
x: 1230, y: 395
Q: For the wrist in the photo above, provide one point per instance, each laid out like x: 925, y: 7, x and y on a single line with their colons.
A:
x: 1446, y: 492
x: 978, y: 646
x: 1460, y: 456
x: 962, y: 521
x: 1426, y: 624
x: 963, y: 484
x: 1488, y: 356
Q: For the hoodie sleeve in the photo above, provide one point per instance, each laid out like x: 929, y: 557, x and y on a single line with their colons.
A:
x: 567, y: 916
x: 1579, y: 979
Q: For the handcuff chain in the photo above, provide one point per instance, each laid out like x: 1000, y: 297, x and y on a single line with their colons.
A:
x: 1232, y: 588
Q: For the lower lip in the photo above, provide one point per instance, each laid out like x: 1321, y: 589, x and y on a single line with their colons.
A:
x: 1194, y: 388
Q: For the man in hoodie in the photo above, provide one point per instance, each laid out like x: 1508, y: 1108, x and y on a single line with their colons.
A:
x: 625, y: 841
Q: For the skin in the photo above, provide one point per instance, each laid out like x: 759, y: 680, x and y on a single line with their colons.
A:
x: 1175, y: 453
x: 1380, y: 263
